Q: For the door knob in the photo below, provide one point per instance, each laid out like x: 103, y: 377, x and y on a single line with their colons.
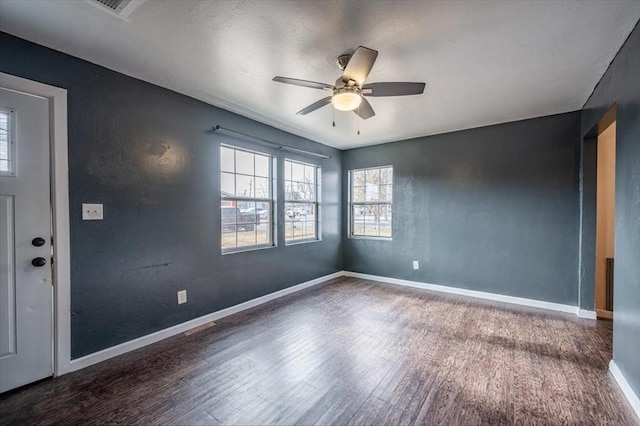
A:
x: 39, y: 261
x: 38, y: 241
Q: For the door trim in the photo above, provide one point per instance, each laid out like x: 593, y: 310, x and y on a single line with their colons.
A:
x: 60, y: 208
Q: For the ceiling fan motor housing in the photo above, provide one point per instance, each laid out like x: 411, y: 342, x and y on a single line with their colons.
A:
x: 342, y: 61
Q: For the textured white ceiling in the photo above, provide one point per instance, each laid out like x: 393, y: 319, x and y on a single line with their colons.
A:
x: 483, y: 62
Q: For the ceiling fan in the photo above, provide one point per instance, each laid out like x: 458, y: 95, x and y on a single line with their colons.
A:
x: 349, y: 91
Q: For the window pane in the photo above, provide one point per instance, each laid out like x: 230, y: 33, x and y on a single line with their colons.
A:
x: 287, y: 170
x: 307, y: 191
x: 229, y: 236
x: 358, y: 194
x: 300, y: 191
x: 357, y: 178
x: 309, y: 174
x: 246, y: 235
x: 247, y: 208
x: 228, y: 185
x: 297, y: 172
x: 386, y: 176
x: 372, y: 176
x: 263, y: 230
x: 263, y: 215
x: 245, y: 222
x: 383, y: 220
x: 371, y: 195
x: 244, y: 186
x: 5, y: 145
x: 228, y: 214
x: 227, y: 159
x: 385, y: 193
x: 371, y: 192
x: 262, y: 187
x: 288, y: 190
x: 262, y: 166
x: 300, y: 221
x: 244, y: 162
x: 371, y: 220
x: 358, y: 219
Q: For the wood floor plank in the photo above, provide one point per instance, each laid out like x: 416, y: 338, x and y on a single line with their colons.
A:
x: 350, y: 352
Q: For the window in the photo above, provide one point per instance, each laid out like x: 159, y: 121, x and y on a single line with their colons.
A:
x: 7, y: 145
x: 247, y: 200
x: 301, y: 190
x: 371, y: 201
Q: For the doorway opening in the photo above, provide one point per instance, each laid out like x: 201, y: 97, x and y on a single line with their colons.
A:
x: 605, y: 221
x: 597, y: 221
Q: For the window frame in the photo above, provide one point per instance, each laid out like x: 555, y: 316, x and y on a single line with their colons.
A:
x: 11, y: 142
x: 271, y: 225
x: 317, y: 174
x: 351, y: 203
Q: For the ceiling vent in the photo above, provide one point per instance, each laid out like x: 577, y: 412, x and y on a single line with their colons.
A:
x: 121, y: 8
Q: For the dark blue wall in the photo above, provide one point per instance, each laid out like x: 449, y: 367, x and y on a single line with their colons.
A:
x: 146, y: 154
x: 491, y: 209
x: 621, y: 85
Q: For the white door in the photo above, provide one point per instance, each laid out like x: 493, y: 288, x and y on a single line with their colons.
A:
x: 26, y: 337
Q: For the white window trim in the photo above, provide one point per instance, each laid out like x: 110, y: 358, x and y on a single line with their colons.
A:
x: 351, y: 203
x: 316, y: 203
x: 271, y: 201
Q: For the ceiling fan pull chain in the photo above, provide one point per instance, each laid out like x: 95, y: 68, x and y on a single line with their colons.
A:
x: 334, y: 116
x: 358, y: 120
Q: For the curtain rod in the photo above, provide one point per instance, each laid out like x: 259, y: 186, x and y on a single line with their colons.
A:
x: 249, y: 138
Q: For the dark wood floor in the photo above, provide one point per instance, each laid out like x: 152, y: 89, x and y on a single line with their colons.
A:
x: 350, y: 352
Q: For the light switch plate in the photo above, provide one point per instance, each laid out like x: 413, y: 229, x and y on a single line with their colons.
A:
x: 182, y: 297
x: 92, y: 211
x: 416, y: 264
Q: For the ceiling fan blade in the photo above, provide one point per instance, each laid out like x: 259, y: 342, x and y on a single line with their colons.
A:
x: 393, y: 89
x: 359, y: 65
x: 303, y: 83
x: 365, y: 110
x: 314, y: 106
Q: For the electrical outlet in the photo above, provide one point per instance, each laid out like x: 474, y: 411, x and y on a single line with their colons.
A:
x: 92, y: 211
x: 416, y: 264
x: 182, y: 297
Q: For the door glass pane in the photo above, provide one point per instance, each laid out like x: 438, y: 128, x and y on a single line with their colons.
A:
x: 6, y: 148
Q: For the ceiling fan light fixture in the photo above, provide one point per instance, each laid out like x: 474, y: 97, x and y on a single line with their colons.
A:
x: 346, y: 99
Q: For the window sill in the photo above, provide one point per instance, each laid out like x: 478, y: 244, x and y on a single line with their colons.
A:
x: 364, y: 237
x: 246, y: 249
x: 305, y: 241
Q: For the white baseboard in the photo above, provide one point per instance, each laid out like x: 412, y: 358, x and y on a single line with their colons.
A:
x: 477, y: 294
x: 625, y: 386
x: 131, y: 345
x: 582, y: 313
